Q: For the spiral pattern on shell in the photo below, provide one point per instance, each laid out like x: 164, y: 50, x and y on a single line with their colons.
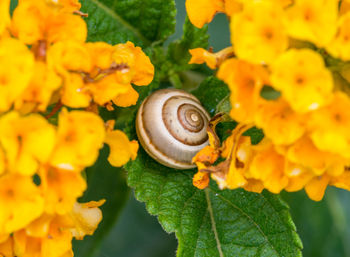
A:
x: 171, y: 126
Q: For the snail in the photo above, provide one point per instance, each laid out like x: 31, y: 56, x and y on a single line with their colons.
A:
x: 171, y: 126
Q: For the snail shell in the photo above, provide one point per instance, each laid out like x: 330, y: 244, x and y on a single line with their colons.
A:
x: 171, y: 126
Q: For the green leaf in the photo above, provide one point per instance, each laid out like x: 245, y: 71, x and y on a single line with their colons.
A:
x: 13, y: 5
x: 104, y: 182
x: 213, y: 222
x: 139, y: 21
x: 269, y: 93
x: 211, y: 93
x: 178, y: 51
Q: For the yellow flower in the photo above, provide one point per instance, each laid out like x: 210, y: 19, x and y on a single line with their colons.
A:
x: 201, y: 12
x: 75, y: 93
x: 254, y: 185
x: 80, y: 135
x: 15, y: 59
x: 330, y: 126
x: 5, y: 15
x: 56, y: 243
x: 257, y: 33
x: 237, y: 149
x: 279, y: 122
x: 239, y: 163
x: 213, y: 60
x: 121, y: 149
x: 298, y: 177
x: 27, y: 141
x: 6, y: 248
x: 339, y: 46
x: 268, y: 166
x: 315, y: 21
x: 107, y: 88
x: 138, y: 67
x: 200, y: 179
x: 67, y: 5
x: 303, y: 79
x: 39, y: 20
x: 65, y: 57
x: 342, y: 181
x: 232, y: 7
x: 207, y: 155
x: 344, y: 7
x: 86, y: 217
x: 51, y: 235
x: 40, y: 226
x: 101, y: 54
x: 245, y: 81
x: 54, y: 184
x: 316, y: 187
x: 37, y: 95
x: 20, y: 202
x: 3, y: 164
x: 126, y: 99
x: 305, y: 153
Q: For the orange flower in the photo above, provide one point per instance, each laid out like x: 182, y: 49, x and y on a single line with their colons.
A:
x: 201, y: 12
x: 245, y: 81
x: 213, y: 60
x: 39, y: 20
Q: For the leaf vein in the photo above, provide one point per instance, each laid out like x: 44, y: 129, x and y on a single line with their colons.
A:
x: 118, y: 18
x: 210, y: 209
x: 251, y: 219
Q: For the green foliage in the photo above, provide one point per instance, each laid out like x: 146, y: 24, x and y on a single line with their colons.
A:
x: 211, y: 92
x: 213, y: 222
x: 141, y: 21
x: 193, y: 37
x: 269, y: 93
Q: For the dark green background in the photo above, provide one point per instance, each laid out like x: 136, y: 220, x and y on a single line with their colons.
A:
x: 324, y: 227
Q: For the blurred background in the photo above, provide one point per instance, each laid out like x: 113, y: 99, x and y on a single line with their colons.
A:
x: 324, y: 227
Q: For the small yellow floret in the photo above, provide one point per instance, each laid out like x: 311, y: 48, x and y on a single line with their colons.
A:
x: 258, y: 34
x: 27, y: 141
x: 20, y: 202
x: 303, y: 79
x: 121, y: 149
x: 315, y: 21
x: 80, y: 135
x: 330, y: 126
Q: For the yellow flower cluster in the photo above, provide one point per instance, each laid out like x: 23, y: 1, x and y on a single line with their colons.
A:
x: 46, y: 65
x: 288, y: 47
